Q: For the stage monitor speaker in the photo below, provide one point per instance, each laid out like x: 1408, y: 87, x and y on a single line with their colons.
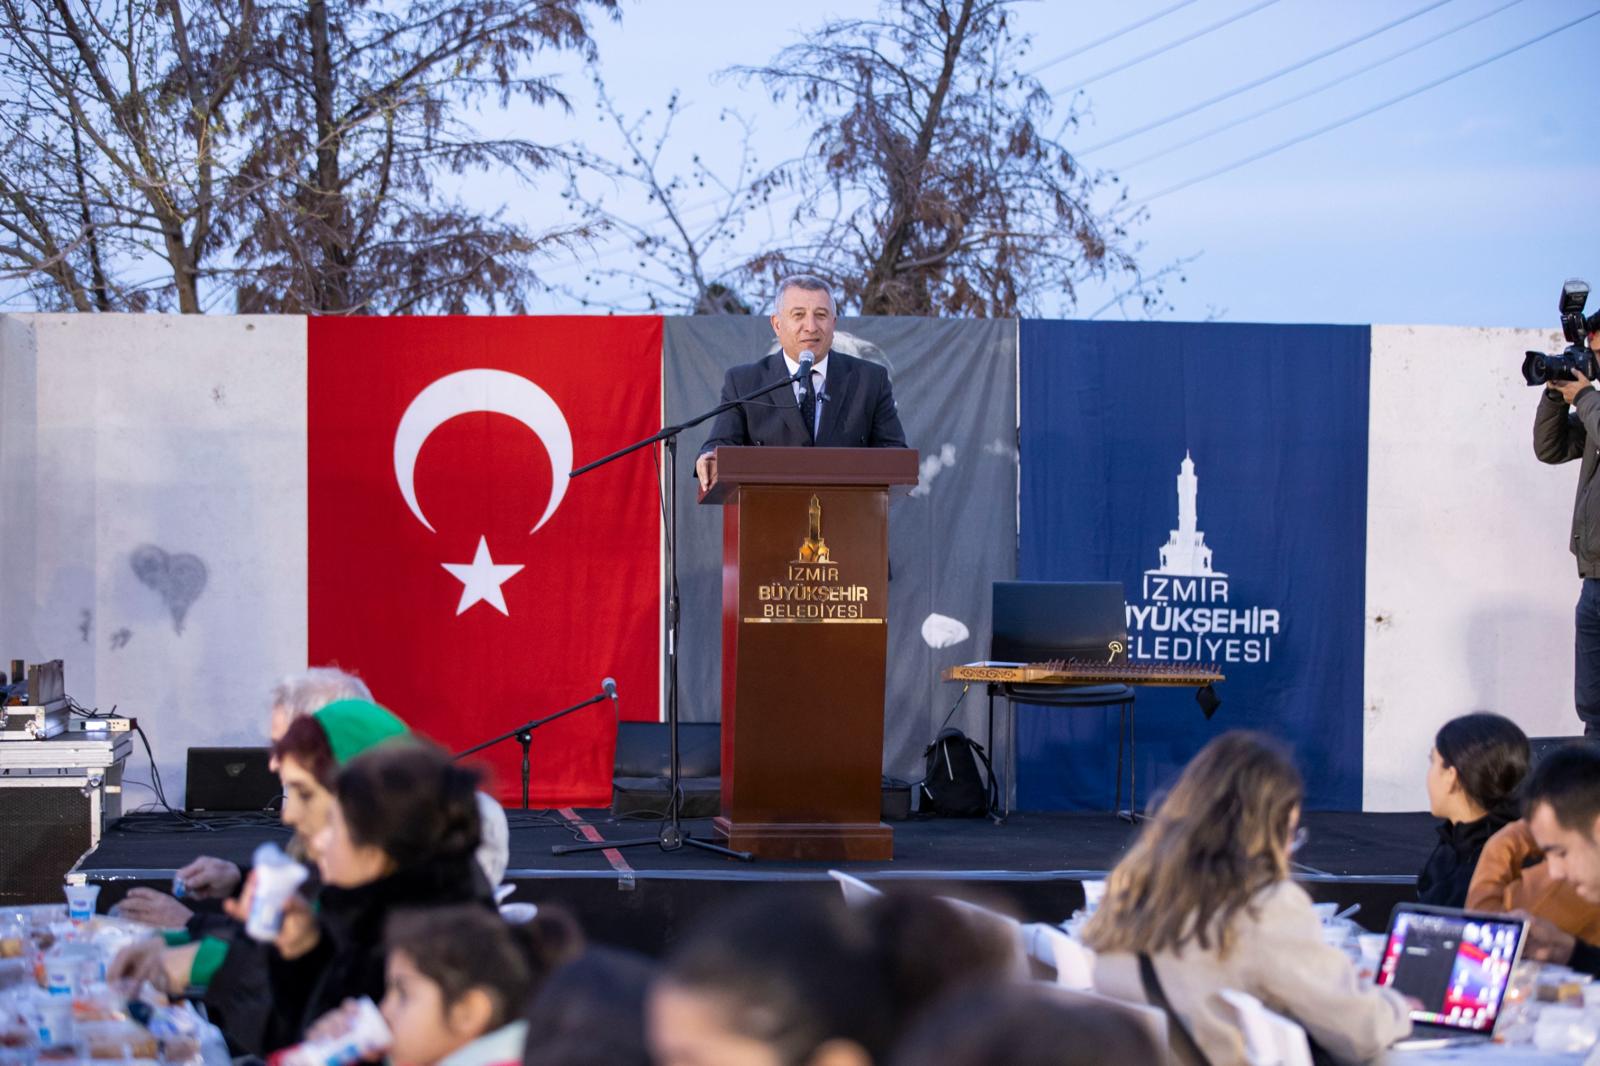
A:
x: 46, y: 825
x: 231, y: 779
x: 639, y: 776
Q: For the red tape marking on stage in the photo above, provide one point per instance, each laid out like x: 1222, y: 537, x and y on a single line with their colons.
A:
x: 613, y: 856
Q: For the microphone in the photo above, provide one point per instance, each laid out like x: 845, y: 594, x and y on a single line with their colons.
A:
x: 806, y: 359
x: 609, y: 687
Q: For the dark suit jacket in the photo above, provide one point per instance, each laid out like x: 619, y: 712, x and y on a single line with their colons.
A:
x: 858, y: 410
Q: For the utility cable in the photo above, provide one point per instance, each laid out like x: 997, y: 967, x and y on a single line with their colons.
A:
x: 1345, y: 121
x: 1258, y: 82
x: 1144, y: 56
x: 1108, y: 38
x: 1314, y: 90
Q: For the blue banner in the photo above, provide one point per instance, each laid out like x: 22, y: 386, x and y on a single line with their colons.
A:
x: 1219, y: 471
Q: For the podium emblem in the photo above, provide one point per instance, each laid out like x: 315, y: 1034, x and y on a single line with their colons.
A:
x: 812, y: 586
x: 814, y: 549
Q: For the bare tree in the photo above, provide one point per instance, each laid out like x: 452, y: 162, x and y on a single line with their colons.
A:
x: 295, y: 154
x: 674, y: 253
x: 111, y: 116
x: 930, y: 186
x: 358, y: 123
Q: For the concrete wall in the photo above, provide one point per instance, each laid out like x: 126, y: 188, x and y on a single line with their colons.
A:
x: 1470, y: 587
x: 179, y: 444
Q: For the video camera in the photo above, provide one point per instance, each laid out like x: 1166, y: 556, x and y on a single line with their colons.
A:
x: 1541, y: 369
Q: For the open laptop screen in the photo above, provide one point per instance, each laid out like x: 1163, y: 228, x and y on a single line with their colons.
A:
x: 1456, y: 963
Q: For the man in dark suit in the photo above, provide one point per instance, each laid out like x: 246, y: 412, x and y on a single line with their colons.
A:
x: 847, y: 403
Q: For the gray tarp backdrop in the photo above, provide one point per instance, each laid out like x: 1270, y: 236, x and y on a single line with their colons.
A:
x: 955, y: 383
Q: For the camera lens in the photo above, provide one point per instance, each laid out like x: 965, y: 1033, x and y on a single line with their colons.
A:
x: 1535, y: 368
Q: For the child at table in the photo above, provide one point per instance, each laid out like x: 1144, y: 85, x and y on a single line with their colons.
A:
x: 458, y: 979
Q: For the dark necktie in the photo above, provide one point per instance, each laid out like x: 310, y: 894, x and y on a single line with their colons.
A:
x: 808, y: 408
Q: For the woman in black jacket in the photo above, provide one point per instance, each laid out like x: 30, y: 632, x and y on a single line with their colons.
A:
x: 1477, y: 762
x: 401, y: 837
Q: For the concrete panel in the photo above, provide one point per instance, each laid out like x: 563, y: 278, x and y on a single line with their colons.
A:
x: 168, y: 566
x: 1470, y: 587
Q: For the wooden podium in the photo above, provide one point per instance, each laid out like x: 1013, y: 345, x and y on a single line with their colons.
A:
x: 805, y: 598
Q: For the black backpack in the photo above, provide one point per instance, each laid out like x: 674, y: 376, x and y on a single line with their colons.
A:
x: 952, y: 785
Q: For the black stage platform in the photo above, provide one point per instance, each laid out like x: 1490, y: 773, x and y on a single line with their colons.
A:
x: 1033, y: 865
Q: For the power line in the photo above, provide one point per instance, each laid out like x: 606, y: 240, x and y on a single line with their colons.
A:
x: 1435, y: 83
x: 1314, y: 90
x: 1108, y: 38
x: 625, y: 248
x: 1185, y: 39
x: 1257, y: 83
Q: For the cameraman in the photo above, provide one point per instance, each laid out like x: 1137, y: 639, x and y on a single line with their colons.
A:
x: 1567, y: 427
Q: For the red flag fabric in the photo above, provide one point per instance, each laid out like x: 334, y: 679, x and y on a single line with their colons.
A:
x: 454, y: 566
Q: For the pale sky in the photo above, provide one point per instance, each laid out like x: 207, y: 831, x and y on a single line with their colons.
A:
x: 1467, y: 204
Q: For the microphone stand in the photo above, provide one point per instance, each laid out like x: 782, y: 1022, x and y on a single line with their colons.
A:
x: 672, y: 837
x: 524, y: 736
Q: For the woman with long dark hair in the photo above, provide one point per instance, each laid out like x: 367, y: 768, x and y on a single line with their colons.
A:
x: 1476, y: 764
x: 1203, y: 902
x: 401, y: 836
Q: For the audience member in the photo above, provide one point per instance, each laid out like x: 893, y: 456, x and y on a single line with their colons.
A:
x: 1203, y: 900
x: 1512, y: 876
x: 930, y: 946
x: 1562, y: 801
x: 458, y: 979
x: 1022, y: 1024
x: 590, y: 1012
x: 1476, y: 764
x: 210, y: 878
x: 810, y: 983
x: 293, y: 698
x: 229, y: 967
x: 300, y: 695
x: 401, y: 836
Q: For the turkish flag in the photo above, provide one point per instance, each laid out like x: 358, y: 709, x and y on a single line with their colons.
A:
x: 454, y: 566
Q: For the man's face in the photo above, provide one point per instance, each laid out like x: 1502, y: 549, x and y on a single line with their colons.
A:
x: 804, y: 323
x: 1569, y: 855
x: 277, y: 726
x: 278, y: 722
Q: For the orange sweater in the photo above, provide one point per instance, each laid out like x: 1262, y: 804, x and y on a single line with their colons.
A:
x: 1501, y: 883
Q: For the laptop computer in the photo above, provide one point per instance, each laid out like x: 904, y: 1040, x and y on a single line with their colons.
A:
x: 1457, y: 964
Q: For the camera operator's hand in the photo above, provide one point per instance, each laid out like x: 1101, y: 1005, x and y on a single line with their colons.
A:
x: 1570, y: 390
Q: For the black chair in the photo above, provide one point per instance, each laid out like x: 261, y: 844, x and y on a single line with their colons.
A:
x: 1036, y: 621
x: 642, y: 764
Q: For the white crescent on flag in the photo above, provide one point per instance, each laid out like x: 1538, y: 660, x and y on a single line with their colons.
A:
x: 494, y: 391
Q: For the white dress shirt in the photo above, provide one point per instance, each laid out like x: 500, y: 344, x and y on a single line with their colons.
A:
x: 819, y: 379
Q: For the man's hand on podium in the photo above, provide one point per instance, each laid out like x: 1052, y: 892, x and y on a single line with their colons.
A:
x: 705, y: 468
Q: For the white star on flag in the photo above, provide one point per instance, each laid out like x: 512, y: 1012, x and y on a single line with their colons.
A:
x: 481, y: 579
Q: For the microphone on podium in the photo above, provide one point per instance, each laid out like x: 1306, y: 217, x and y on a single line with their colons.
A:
x: 609, y: 687
x: 806, y: 361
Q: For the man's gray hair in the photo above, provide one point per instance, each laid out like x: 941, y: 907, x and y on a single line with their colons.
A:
x: 808, y: 282
x: 308, y: 693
